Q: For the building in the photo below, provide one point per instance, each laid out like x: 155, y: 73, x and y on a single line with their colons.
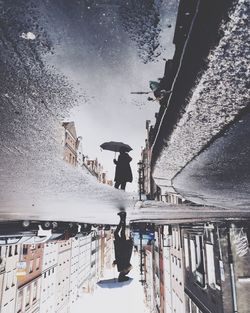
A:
x: 84, y: 263
x: 70, y: 143
x: 176, y: 267
x: 92, y: 166
x: 158, y: 277
x: 63, y: 276
x: 148, y: 276
x: 9, y: 257
x: 2, y: 269
x: 49, y: 272
x: 29, y: 278
x: 146, y: 182
x: 167, y: 245
x: 97, y: 170
x: 108, y: 250
x: 105, y: 251
x: 74, y: 270
x: 217, y: 268
x: 94, y: 260
x: 79, y: 151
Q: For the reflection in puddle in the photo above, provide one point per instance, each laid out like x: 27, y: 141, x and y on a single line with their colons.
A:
x: 195, y: 267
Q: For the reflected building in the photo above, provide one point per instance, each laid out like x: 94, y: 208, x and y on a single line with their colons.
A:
x: 69, y: 141
x: 177, y: 276
x: 29, y: 279
x: 198, y: 268
x: 49, y: 272
x: 73, y: 154
x: 9, y: 257
x: 216, y: 268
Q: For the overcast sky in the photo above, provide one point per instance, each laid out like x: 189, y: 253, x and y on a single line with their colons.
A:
x: 96, y: 54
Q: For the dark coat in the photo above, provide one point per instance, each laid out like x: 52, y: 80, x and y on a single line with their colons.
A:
x: 123, y: 252
x: 123, y: 171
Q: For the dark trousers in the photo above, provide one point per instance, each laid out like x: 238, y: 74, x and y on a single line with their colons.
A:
x: 123, y: 185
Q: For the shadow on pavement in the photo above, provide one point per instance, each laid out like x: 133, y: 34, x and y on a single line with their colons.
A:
x: 113, y: 283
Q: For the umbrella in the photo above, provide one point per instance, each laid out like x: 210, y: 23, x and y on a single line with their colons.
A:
x: 115, y: 146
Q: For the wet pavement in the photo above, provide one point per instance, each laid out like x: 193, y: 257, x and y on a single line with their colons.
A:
x: 220, y: 175
x: 216, y: 102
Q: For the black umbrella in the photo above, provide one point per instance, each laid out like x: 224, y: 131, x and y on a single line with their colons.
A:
x: 115, y: 146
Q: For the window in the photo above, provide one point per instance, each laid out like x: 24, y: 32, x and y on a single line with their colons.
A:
x: 1, y: 257
x: 35, y: 291
x: 174, y: 239
x: 192, y: 251
x: 13, y: 279
x: 179, y: 270
x: 10, y: 251
x: 25, y: 249
x: 20, y: 302
x: 186, y: 251
x: 27, y: 298
x: 37, y: 264
x: 200, y: 271
x: 210, y: 265
x: 31, y: 266
x: 8, y: 280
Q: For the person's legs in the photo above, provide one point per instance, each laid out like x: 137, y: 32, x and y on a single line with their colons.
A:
x: 117, y: 184
x: 123, y: 185
x: 123, y: 227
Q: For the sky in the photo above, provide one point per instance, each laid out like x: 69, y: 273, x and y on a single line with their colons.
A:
x: 101, y: 58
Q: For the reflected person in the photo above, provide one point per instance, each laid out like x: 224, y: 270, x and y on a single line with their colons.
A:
x: 123, y: 249
x: 123, y: 173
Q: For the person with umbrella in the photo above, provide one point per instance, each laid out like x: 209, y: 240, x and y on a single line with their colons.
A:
x: 123, y: 249
x: 123, y: 173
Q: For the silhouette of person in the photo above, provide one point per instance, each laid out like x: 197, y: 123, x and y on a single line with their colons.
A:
x: 123, y: 249
x: 123, y: 173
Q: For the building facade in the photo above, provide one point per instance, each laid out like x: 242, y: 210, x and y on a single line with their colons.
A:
x: 29, y: 282
x: 63, y: 276
x: 9, y: 258
x: 70, y: 143
x: 216, y: 268
x: 48, y: 281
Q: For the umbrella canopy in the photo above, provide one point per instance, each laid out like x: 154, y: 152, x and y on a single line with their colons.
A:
x: 115, y: 146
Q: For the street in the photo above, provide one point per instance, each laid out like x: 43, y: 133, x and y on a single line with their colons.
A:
x: 132, y: 117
